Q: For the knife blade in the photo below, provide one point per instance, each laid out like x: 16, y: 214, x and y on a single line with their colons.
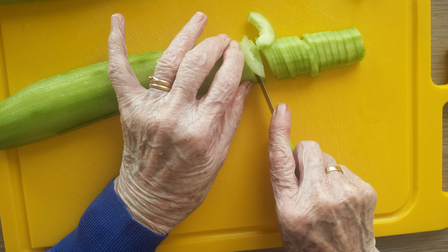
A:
x: 265, y: 93
x: 268, y: 101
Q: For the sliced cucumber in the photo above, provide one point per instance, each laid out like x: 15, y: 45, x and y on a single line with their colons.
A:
x: 276, y: 61
x: 352, y: 54
x: 314, y: 72
x: 294, y: 42
x: 341, y: 48
x: 288, y: 56
x: 334, y: 48
x: 310, y: 41
x: 267, y: 34
x: 359, y: 43
x: 300, y: 45
x: 252, y: 56
x: 327, y: 48
x: 320, y: 52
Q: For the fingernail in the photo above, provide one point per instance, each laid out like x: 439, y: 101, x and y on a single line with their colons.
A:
x: 198, y: 16
x: 281, y: 107
x: 235, y: 44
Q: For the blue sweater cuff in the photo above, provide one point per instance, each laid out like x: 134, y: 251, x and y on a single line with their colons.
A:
x: 107, y: 225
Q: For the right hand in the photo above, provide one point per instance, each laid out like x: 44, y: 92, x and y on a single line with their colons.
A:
x: 319, y: 211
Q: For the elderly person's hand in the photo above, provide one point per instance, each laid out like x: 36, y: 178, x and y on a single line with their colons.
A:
x: 174, y: 144
x: 318, y: 211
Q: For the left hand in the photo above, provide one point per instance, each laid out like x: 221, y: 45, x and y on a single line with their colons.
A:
x: 174, y: 144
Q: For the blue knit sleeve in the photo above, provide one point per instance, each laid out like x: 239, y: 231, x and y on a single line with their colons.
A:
x: 107, y: 225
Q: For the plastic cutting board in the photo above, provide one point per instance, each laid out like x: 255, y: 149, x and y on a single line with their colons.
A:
x: 381, y: 117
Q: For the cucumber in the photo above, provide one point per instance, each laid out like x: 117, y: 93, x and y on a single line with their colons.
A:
x: 300, y: 46
x: 314, y: 72
x: 294, y: 47
x: 267, y: 34
x: 327, y: 48
x: 288, y: 57
x: 67, y: 101
x: 341, y: 48
x: 309, y: 40
x: 334, y: 48
x: 276, y: 61
x: 320, y: 52
x: 252, y: 56
x: 352, y: 54
x: 359, y: 43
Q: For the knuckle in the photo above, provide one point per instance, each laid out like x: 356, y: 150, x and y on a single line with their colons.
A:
x: 308, y: 144
x: 170, y: 59
x: 196, y: 58
x: 279, y: 158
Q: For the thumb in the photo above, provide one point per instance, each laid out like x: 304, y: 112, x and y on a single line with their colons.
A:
x: 120, y: 72
x: 283, y: 178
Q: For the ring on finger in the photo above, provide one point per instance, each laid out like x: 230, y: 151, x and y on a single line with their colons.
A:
x: 159, y: 84
x: 333, y: 168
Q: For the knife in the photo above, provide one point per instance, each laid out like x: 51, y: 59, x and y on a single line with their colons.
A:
x: 268, y: 101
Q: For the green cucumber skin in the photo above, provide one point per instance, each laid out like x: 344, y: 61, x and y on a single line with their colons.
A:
x: 314, y: 71
x: 266, y: 32
x: 67, y: 101
x: 352, y: 54
x: 341, y: 47
x: 309, y: 40
x: 359, y: 43
x: 327, y: 48
x: 289, y: 58
x: 295, y: 50
x: 334, y: 48
x: 302, y: 49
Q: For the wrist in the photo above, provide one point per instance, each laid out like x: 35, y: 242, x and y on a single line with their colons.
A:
x: 141, y: 207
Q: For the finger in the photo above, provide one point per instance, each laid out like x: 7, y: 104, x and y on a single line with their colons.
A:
x: 335, y: 178
x: 235, y: 111
x: 283, y: 179
x: 196, y: 65
x: 120, y: 72
x: 168, y: 64
x: 311, y: 162
x: 352, y: 177
x: 226, y: 80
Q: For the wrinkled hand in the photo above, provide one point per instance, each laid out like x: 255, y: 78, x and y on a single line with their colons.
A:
x: 319, y: 211
x: 174, y: 144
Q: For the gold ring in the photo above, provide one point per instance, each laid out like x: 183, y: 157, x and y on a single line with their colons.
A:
x: 160, y: 87
x: 160, y: 83
x: 333, y: 168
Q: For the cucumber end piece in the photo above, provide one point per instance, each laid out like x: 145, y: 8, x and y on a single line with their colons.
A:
x: 252, y: 56
x: 267, y: 34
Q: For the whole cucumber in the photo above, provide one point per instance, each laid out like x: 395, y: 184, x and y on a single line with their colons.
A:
x: 67, y: 101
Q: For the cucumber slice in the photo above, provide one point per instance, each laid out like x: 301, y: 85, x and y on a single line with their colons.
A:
x: 334, y: 48
x: 314, y: 65
x: 352, y: 54
x: 300, y: 46
x: 252, y: 56
x: 341, y: 48
x: 359, y: 43
x: 327, y: 48
x: 296, y: 54
x: 267, y: 34
x: 276, y: 61
x: 288, y: 56
x: 307, y: 38
x: 295, y: 43
x: 320, y: 52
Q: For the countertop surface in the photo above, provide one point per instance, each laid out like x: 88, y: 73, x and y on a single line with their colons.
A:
x: 429, y: 241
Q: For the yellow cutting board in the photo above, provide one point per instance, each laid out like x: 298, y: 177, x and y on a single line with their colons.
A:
x: 381, y: 117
